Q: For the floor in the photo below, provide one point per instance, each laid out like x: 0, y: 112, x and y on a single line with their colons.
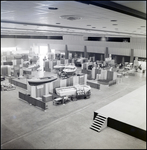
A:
x: 65, y: 126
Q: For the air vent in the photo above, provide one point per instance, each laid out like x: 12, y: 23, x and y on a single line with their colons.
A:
x: 71, y: 17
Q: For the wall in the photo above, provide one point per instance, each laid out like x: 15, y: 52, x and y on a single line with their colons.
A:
x: 77, y: 43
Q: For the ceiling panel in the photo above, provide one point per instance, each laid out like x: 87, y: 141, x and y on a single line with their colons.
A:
x: 137, y: 5
x: 38, y: 17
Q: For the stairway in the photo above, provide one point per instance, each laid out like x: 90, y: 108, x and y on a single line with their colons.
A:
x: 99, y: 123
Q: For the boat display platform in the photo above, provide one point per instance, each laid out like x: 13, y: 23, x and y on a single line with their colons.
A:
x: 128, y: 113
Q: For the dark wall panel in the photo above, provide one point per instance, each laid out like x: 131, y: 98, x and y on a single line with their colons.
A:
x: 126, y: 128
x: 33, y: 37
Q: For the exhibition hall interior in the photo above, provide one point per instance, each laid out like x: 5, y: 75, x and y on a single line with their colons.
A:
x: 73, y: 74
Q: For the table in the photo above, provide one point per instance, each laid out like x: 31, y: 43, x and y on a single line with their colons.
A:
x: 47, y: 98
x: 57, y: 100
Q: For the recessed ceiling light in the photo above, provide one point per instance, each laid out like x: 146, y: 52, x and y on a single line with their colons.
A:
x: 52, y: 8
x: 113, y: 20
x: 70, y: 17
x: 114, y: 24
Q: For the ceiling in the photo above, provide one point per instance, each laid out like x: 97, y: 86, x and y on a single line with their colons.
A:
x: 72, y: 17
x: 137, y: 5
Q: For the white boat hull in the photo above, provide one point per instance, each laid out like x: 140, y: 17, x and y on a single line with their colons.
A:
x: 71, y: 90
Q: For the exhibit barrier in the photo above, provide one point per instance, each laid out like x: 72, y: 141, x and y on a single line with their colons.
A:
x: 6, y: 70
x: 44, y: 89
x: 49, y: 64
x: 33, y: 101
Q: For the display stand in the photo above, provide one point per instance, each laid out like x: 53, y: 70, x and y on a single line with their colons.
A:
x: 80, y: 93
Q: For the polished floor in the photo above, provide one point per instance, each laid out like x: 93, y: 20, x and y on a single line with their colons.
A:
x: 66, y: 126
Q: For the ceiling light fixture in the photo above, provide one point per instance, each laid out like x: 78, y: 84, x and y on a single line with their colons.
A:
x: 113, y: 20
x: 52, y: 8
x: 71, y: 17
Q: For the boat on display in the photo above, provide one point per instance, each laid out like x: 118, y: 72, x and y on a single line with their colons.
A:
x: 42, y: 80
x: 70, y: 69
x: 80, y: 61
x: 59, y: 67
x: 73, y: 90
x: 17, y: 56
x: 26, y: 64
x: 35, y: 66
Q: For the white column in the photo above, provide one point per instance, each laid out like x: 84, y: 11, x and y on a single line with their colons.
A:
x: 114, y: 75
x: 50, y: 87
x: 9, y: 70
x: 63, y: 83
x: 33, y: 91
x: 58, y: 62
x: 93, y: 73
x: 28, y: 87
x: 85, y: 79
x: 46, y: 88
x: 21, y: 72
x: 66, y: 61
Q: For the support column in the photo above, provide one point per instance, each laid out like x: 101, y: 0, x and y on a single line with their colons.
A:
x: 115, y: 58
x: 101, y: 57
x: 106, y: 54
x: 123, y: 60
x: 49, y: 49
x: 132, y: 56
x: 66, y: 52
x: 85, y: 51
